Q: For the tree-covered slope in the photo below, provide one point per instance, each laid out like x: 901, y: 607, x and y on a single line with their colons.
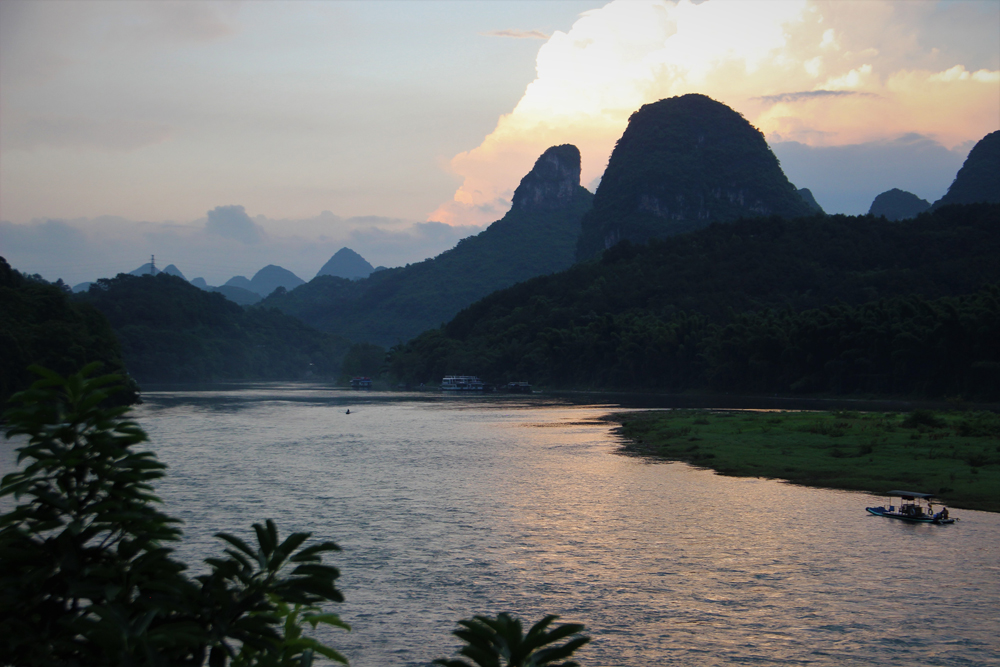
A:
x: 682, y: 312
x: 41, y: 324
x: 979, y: 178
x: 537, y: 236
x: 171, y: 331
x: 682, y: 163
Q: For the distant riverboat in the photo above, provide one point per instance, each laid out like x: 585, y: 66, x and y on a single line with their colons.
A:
x: 462, y: 383
x: 361, y: 383
x: 912, y: 509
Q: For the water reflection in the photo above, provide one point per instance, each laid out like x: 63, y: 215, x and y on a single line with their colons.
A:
x: 450, y: 506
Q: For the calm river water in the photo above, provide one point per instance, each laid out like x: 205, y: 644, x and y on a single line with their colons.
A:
x: 449, y: 506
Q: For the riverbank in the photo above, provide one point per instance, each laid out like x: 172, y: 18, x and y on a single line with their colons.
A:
x: 955, y: 455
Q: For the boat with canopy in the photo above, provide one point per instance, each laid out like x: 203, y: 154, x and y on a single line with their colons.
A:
x: 913, y: 507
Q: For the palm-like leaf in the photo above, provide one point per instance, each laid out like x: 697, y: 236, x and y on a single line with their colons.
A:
x: 501, y: 642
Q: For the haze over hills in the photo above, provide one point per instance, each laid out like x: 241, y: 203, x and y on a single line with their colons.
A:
x: 537, y: 236
x: 237, y: 289
x: 172, y: 331
x: 681, y: 164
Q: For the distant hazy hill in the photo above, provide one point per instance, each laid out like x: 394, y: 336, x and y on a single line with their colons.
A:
x: 146, y: 269
x: 172, y: 331
x: 682, y: 163
x: 172, y: 270
x: 264, y: 282
x: 898, y: 204
x: 272, y: 277
x: 41, y: 324
x: 827, y: 304
x: 979, y: 178
x: 537, y: 236
x: 239, y: 281
x: 346, y: 263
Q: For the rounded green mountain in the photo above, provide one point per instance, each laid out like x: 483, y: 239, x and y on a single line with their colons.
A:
x: 681, y: 164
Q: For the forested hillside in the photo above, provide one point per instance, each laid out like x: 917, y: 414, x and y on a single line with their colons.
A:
x: 537, y: 236
x: 979, y: 178
x: 41, y: 324
x: 827, y: 304
x: 681, y: 164
x: 171, y: 331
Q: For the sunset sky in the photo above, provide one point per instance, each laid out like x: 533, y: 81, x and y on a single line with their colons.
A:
x: 396, y: 128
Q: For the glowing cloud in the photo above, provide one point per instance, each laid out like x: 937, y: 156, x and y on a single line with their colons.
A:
x: 819, y: 73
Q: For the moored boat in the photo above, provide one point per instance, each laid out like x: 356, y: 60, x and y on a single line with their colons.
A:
x: 912, y: 508
x: 462, y: 383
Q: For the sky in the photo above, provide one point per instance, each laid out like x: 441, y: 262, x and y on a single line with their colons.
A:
x: 224, y: 136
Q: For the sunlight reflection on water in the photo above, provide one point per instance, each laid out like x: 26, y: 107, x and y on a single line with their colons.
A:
x: 450, y: 506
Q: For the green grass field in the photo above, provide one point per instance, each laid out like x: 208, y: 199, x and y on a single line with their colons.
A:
x: 954, y: 455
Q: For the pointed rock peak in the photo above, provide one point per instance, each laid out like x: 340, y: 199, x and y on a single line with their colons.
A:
x: 552, y: 182
x: 174, y: 271
x: 346, y: 263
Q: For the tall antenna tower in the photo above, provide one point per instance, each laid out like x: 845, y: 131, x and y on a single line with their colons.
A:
x: 152, y: 265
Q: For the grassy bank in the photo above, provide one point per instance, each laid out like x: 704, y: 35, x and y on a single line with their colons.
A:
x: 954, y: 455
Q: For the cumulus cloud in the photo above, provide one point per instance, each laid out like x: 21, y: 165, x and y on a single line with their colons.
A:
x: 818, y: 73
x: 517, y: 34
x: 232, y: 222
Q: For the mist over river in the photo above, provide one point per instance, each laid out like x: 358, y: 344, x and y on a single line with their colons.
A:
x: 449, y: 506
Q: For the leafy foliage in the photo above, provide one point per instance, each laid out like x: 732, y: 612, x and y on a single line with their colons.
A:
x: 501, y: 642
x: 86, y: 573
x: 365, y: 359
x: 40, y: 323
x: 171, y: 331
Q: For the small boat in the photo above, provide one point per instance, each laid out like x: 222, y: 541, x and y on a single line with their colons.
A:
x: 911, y: 508
x: 360, y: 382
x: 462, y: 383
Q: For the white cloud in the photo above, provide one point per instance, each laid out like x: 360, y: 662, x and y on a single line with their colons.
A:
x: 817, y: 72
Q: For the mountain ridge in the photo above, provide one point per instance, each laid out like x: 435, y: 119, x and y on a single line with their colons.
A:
x: 537, y: 236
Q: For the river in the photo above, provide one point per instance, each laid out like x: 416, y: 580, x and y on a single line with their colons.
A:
x: 449, y: 506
